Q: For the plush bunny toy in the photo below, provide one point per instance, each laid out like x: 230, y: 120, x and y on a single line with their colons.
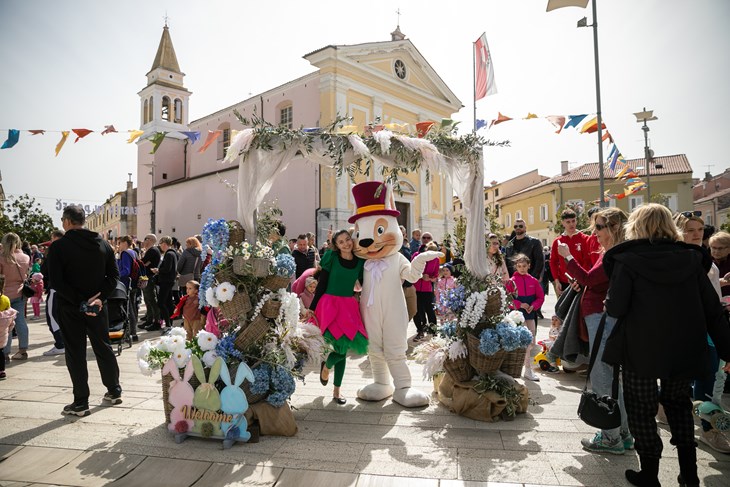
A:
x: 382, y: 304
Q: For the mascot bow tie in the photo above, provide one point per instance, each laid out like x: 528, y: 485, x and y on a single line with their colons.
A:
x: 376, y: 268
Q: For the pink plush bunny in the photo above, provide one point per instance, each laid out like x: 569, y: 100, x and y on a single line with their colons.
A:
x: 181, y: 393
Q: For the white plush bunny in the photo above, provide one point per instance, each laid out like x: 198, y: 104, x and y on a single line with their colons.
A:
x: 382, y: 303
x: 180, y: 394
x: 234, y: 402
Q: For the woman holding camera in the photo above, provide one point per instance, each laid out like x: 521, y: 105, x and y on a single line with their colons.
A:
x: 608, y: 226
x: 658, y: 289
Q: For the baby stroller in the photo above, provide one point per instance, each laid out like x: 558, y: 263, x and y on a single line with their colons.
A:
x: 117, y: 307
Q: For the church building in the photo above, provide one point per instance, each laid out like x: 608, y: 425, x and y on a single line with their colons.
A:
x: 180, y: 188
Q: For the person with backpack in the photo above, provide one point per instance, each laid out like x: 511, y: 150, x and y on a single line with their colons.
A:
x: 129, y: 272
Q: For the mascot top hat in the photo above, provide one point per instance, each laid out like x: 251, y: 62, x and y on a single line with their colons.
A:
x: 371, y: 199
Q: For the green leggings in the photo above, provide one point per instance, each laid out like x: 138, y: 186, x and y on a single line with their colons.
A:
x: 337, y: 361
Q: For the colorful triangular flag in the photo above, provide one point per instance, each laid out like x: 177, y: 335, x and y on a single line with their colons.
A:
x: 529, y: 116
x: 212, y: 135
x: 59, y: 146
x: 36, y: 132
x: 157, y: 140
x: 558, y: 121
x: 134, y: 135
x: 500, y: 118
x: 574, y: 120
x: 81, y: 133
x: 13, y: 138
x: 192, y: 136
x: 480, y: 123
x: 108, y: 129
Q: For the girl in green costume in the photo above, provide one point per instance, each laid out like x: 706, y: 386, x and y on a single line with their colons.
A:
x: 337, y: 310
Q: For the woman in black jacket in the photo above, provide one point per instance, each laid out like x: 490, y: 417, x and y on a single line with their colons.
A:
x: 166, y: 275
x: 665, y: 306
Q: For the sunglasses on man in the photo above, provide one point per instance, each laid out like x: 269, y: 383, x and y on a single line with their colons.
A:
x: 519, y: 226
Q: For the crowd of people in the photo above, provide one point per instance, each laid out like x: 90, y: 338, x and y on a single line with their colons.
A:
x: 648, y: 283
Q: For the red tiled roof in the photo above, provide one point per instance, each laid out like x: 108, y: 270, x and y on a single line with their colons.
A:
x: 676, y: 164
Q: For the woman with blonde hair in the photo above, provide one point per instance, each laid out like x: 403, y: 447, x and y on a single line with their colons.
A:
x: 658, y: 289
x: 14, y: 265
x: 720, y: 250
x: 608, y: 227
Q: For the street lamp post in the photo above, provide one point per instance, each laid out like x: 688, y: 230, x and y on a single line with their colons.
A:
x: 646, y: 116
x: 555, y: 4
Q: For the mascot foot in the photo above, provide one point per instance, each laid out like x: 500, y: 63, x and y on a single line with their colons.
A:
x: 410, y: 398
x: 375, y: 392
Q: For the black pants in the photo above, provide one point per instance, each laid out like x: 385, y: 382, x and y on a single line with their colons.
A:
x: 164, y: 299
x: 52, y: 315
x: 642, y: 398
x: 75, y: 327
x: 424, y: 311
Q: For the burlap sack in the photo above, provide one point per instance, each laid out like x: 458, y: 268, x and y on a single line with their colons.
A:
x: 461, y: 399
x: 272, y: 421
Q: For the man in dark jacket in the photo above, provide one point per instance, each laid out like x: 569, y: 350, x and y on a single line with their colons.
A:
x: 151, y: 259
x: 524, y: 244
x: 84, y: 275
x: 51, y: 308
x: 166, y: 276
x: 303, y: 255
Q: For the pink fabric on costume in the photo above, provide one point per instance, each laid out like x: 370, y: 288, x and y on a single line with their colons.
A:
x: 211, y: 322
x: 340, y: 315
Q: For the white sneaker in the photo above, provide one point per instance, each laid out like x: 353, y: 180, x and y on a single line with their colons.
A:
x: 715, y: 440
x: 54, y: 351
x: 530, y: 375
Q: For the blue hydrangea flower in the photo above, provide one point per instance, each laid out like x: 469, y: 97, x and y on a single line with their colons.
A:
x: 226, y: 349
x: 525, y: 336
x: 489, y: 342
x: 448, y: 329
x: 285, y: 265
x: 262, y: 379
x: 283, y: 385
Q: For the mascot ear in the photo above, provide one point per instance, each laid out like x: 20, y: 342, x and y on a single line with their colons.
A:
x: 389, y: 198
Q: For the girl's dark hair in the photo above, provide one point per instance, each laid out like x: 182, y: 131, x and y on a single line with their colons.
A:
x: 333, y: 243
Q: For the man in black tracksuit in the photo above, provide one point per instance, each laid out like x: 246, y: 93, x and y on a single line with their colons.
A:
x: 84, y: 274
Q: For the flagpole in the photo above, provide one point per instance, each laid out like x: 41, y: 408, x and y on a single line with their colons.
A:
x: 474, y: 81
x: 602, y: 202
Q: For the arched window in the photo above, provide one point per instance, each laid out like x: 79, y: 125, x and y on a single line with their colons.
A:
x: 178, y: 111
x: 166, y: 108
x: 150, y: 113
x: 224, y: 140
x: 144, y: 113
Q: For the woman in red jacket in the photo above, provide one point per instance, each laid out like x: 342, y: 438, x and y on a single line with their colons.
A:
x: 608, y: 226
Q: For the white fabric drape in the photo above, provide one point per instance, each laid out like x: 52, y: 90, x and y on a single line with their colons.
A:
x: 259, y: 169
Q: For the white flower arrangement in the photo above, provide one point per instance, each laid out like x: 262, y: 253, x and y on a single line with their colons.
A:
x: 382, y: 137
x: 224, y: 292
x: 457, y: 349
x: 473, y: 310
x: 432, y: 355
x: 515, y: 317
x: 289, y: 310
x: 210, y: 297
x: 181, y: 357
x: 207, y: 341
x: 248, y: 251
x: 209, y: 358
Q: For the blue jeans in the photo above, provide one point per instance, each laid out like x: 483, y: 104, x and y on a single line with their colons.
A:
x: 602, y: 373
x: 21, y: 326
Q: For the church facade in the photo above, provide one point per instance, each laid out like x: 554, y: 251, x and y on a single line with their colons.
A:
x: 179, y: 188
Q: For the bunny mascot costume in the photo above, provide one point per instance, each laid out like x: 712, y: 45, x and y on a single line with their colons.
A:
x: 382, y: 304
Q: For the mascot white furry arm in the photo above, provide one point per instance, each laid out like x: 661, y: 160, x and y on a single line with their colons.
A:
x: 378, y: 239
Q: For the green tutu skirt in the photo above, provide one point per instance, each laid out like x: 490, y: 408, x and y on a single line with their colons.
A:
x: 359, y: 344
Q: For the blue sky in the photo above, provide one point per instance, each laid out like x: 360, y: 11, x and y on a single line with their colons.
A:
x: 80, y: 64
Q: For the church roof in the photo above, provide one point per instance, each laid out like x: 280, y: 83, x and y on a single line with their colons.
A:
x: 166, y: 58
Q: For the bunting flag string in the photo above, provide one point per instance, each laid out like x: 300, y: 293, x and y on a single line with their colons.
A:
x: 81, y: 133
x: 59, y: 146
x: 13, y: 138
x: 212, y: 135
x: 157, y: 140
x: 109, y: 129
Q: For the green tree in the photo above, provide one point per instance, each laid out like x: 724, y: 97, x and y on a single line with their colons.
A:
x: 22, y: 215
x: 725, y: 227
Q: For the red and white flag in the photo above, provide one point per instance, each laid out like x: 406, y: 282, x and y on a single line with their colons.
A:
x: 483, y: 69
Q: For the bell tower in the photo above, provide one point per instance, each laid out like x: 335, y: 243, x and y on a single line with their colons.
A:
x: 163, y: 108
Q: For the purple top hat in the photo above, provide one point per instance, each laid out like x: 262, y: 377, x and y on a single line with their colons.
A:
x: 368, y: 203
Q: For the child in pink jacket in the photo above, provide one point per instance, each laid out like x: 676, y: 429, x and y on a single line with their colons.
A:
x: 530, y: 297
x: 37, y: 298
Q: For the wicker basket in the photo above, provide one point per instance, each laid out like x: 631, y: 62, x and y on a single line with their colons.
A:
x: 166, y: 381
x: 236, y: 233
x: 483, y: 364
x: 459, y: 369
x: 225, y: 275
x: 275, y: 282
x: 238, y: 306
x: 239, y: 265
x: 250, y: 397
x: 260, y: 267
x: 252, y: 333
x: 513, y: 362
x: 271, y: 308
x: 494, y: 304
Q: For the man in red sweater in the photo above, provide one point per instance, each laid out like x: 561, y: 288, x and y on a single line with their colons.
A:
x: 582, y: 248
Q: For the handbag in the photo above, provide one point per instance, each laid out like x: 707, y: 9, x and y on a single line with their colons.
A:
x: 600, y: 411
x: 28, y: 291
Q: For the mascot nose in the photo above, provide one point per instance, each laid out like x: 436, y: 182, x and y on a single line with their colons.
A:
x: 365, y: 242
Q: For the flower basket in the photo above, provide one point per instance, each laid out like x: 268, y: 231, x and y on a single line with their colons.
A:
x: 494, y: 304
x: 513, y: 362
x: 239, y: 265
x: 260, y: 266
x: 166, y: 381
x: 225, y: 275
x: 238, y: 306
x: 274, y: 283
x: 271, y: 308
x: 250, y: 397
x: 483, y: 364
x: 460, y: 370
x: 236, y: 233
x: 252, y: 333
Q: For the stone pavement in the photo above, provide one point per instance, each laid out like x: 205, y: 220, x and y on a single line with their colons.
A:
x: 359, y: 444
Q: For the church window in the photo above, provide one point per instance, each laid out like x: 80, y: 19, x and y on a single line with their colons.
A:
x: 286, y: 117
x: 166, y: 108
x: 144, y: 112
x: 224, y: 140
x: 150, y: 110
x: 178, y: 110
